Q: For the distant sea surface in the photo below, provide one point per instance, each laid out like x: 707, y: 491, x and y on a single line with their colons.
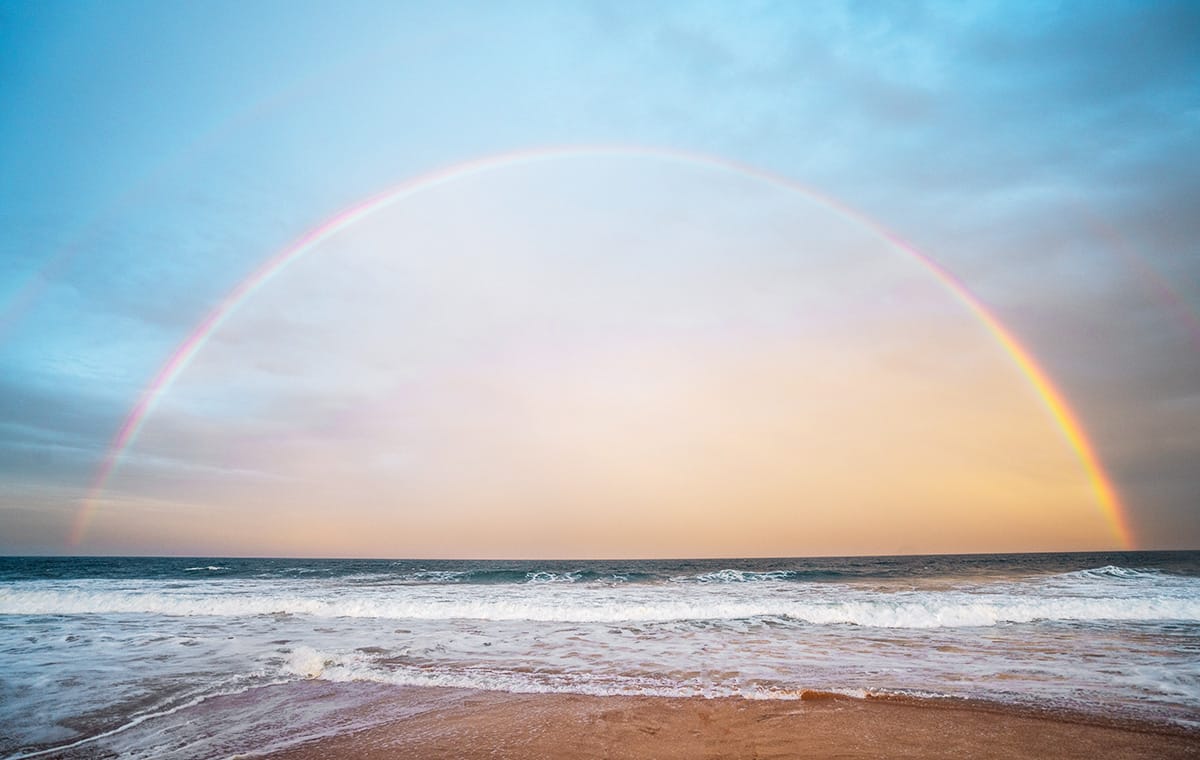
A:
x: 133, y: 656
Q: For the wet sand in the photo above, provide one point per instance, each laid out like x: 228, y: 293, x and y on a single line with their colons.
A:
x: 571, y: 727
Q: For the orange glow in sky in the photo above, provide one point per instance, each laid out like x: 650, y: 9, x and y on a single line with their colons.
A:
x: 603, y: 357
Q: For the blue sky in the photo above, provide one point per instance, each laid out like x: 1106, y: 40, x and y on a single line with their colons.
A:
x: 154, y: 154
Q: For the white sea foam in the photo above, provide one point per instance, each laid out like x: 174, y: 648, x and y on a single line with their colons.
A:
x: 930, y: 609
x: 1111, y: 572
x: 729, y: 575
x: 137, y: 720
x: 308, y: 663
x: 439, y: 576
x: 209, y: 568
x: 542, y: 576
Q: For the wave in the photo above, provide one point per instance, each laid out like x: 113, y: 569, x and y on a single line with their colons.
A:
x: 1111, y: 572
x: 307, y: 663
x: 520, y: 576
x: 729, y: 575
x: 540, y: 575
x: 533, y: 574
x: 878, y: 610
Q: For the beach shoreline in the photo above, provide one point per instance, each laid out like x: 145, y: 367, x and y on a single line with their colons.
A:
x: 494, y: 724
x: 1075, y: 656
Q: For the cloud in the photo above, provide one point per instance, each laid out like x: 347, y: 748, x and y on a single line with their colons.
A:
x: 1041, y: 154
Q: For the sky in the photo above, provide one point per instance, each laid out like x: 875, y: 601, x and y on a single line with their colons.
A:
x: 598, y: 279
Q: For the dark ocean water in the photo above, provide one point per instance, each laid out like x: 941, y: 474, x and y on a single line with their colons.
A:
x: 128, y: 655
x: 952, y: 567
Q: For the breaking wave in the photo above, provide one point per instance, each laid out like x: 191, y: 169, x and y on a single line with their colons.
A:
x: 729, y: 575
x: 1112, y: 572
x: 307, y: 663
x: 929, y: 609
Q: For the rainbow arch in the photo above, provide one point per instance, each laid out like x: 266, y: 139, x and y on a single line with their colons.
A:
x: 1054, y: 402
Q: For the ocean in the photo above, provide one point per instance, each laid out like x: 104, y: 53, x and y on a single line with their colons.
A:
x: 220, y: 657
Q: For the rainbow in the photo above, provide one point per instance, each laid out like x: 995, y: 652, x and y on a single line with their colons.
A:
x: 1169, y: 297
x: 1052, y: 399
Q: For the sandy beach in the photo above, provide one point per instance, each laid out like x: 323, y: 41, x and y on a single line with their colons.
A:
x: 503, y: 725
